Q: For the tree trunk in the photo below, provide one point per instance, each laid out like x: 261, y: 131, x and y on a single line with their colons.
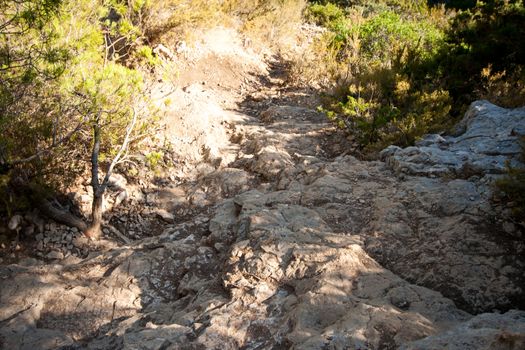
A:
x: 98, y: 189
x: 97, y: 208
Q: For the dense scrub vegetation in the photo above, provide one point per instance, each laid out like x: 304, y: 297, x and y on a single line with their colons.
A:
x: 69, y: 91
x: 400, y: 69
x: 405, y: 68
x: 75, y: 79
x: 170, y: 20
x: 74, y: 75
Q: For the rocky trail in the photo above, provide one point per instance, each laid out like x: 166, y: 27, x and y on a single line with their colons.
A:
x: 271, y: 235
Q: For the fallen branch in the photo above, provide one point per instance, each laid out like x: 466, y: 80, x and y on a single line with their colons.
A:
x: 117, y: 233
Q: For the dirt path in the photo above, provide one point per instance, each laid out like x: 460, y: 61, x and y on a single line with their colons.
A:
x: 268, y: 235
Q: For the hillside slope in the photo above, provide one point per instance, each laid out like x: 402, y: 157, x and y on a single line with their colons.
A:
x: 271, y: 236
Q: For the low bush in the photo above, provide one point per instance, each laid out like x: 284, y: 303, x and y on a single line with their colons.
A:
x: 272, y: 22
x: 327, y: 15
x: 172, y: 20
x: 375, y: 60
x: 400, y: 69
x: 489, y: 35
x: 166, y: 20
x: 513, y: 187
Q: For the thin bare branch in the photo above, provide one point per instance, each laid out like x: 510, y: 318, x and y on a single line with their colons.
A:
x: 122, y: 149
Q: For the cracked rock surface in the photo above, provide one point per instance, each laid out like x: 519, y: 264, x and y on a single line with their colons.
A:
x: 303, y: 247
x: 484, y: 141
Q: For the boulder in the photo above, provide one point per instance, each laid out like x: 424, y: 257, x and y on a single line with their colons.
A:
x: 484, y: 141
x: 483, y: 332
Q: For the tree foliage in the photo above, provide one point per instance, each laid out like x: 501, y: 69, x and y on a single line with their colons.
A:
x: 66, y: 86
x: 31, y: 60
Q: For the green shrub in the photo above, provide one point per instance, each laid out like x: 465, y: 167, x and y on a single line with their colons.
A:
x: 403, y: 70
x: 171, y: 19
x: 388, y: 110
x: 513, y: 186
x: 153, y: 159
x: 145, y: 55
x: 327, y: 15
x: 387, y: 36
x: 385, y: 95
x: 502, y: 88
x: 370, y: 7
x: 489, y: 34
x: 75, y: 77
x: 270, y: 21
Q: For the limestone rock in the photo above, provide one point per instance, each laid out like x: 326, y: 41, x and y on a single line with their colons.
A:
x: 15, y: 222
x: 274, y: 113
x: 118, y: 181
x: 226, y: 182
x: 483, y: 332
x: 484, y: 141
x: 271, y: 161
x: 36, y: 339
x: 322, y: 284
x: 164, y: 215
x: 55, y: 255
x: 121, y: 197
x: 326, y: 252
x: 156, y: 337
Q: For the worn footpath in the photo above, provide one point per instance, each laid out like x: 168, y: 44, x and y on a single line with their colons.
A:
x: 293, y: 243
